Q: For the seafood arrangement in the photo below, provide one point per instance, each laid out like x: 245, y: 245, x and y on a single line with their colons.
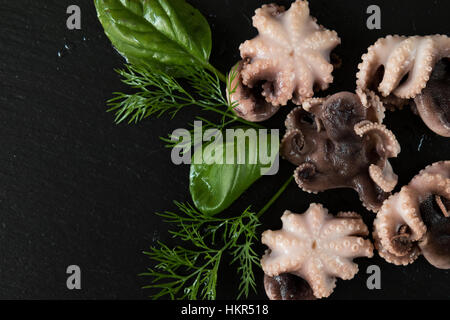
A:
x: 340, y: 141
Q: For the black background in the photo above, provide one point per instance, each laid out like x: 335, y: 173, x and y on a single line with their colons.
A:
x: 77, y: 189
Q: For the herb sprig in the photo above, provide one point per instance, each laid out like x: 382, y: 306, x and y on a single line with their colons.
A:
x: 202, y: 262
x: 167, y: 45
x: 157, y: 93
x: 192, y: 273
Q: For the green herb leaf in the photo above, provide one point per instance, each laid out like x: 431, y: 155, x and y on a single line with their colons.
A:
x: 158, y: 34
x: 214, y: 187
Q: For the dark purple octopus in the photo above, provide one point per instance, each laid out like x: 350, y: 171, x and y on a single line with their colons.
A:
x: 336, y: 142
x: 433, y: 103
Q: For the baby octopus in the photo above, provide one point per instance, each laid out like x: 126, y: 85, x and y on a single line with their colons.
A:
x: 289, y: 59
x: 336, y: 142
x: 410, y: 69
x: 310, y: 251
x: 417, y: 220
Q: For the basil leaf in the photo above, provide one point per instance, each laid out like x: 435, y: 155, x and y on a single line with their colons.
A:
x: 163, y: 34
x: 214, y: 187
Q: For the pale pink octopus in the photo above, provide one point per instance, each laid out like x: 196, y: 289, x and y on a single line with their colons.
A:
x: 400, y: 69
x: 417, y: 220
x: 289, y: 59
x: 317, y: 247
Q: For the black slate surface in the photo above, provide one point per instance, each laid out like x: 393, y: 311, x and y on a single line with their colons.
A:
x: 77, y: 189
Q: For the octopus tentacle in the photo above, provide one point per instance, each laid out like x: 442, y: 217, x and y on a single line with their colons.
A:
x: 397, y: 66
x: 322, y: 284
x: 349, y: 214
x: 418, y: 76
x: 323, y: 70
x: 303, y: 173
x: 278, y: 92
x: 385, y: 177
x: 311, y: 181
x: 404, y: 260
x: 293, y: 146
x: 321, y: 39
x: 348, y: 246
x: 390, y: 142
x: 262, y: 69
x: 315, y: 218
x: 442, y: 206
x: 250, y: 51
x: 343, y: 268
x: 278, y: 86
x: 295, y: 223
x: 251, y: 106
x: 292, y: 118
x: 371, y: 61
x: 266, y: 24
x: 345, y: 227
x: 373, y: 103
x: 309, y: 104
x: 298, y: 16
x: 389, y: 223
x: 370, y: 194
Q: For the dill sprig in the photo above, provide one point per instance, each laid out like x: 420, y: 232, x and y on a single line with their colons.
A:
x: 192, y: 273
x: 209, y: 88
x: 201, y: 263
x: 157, y: 93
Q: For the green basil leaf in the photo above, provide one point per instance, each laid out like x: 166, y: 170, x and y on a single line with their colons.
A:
x: 163, y: 34
x: 214, y: 187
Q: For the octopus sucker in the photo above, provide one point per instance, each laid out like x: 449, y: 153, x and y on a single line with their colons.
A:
x: 410, y: 70
x: 310, y: 251
x: 336, y: 142
x: 288, y: 60
x: 416, y: 220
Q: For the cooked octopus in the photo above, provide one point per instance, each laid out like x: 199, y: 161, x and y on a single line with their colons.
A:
x: 289, y: 59
x: 412, y: 70
x: 416, y: 220
x: 315, y: 246
x: 336, y: 142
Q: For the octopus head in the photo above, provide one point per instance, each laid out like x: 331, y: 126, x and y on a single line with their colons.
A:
x: 287, y: 286
x: 433, y: 103
x: 435, y: 212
